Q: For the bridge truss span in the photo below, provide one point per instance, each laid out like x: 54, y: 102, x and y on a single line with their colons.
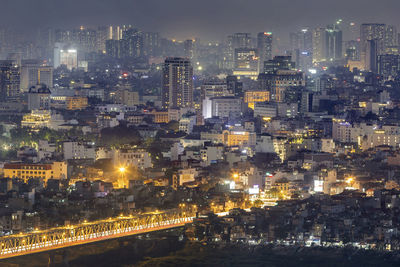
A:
x: 68, y: 236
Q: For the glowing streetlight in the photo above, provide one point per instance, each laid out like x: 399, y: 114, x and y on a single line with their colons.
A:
x: 121, y: 180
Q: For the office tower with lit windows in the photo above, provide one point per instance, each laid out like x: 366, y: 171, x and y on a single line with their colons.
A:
x: 34, y: 73
x: 279, y: 74
x: 9, y: 80
x: 352, y: 50
x: 319, y: 44
x: 334, y: 44
x: 279, y: 63
x: 371, y: 31
x: 102, y: 36
x: 188, y: 49
x: 302, y: 48
x: 327, y: 44
x: 177, y: 83
x: 241, y: 40
x: 114, y: 33
x: 85, y: 39
x: 132, y: 42
x: 234, y: 86
x: 246, y: 62
x: 113, y: 48
x: 264, y: 46
x: 64, y: 55
x: 371, y: 56
x: 390, y: 37
x: 388, y: 66
x: 235, y: 41
x: 151, y: 44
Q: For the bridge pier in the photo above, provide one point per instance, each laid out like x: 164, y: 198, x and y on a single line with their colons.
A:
x: 65, y: 261
x: 64, y: 255
x: 51, y: 262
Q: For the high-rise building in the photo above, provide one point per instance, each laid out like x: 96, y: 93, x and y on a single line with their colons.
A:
x: 114, y: 33
x: 133, y: 43
x: 235, y: 41
x: 45, y: 76
x: 372, y: 31
x: 39, y: 98
x: 9, y: 80
x: 188, y: 49
x: 113, y: 48
x: 279, y: 75
x: 64, y: 55
x: 33, y: 73
x: 234, y: 86
x: 177, y: 90
x: 264, y: 46
x: 302, y: 48
x: 85, y: 39
x: 279, y: 63
x: 333, y: 50
x: 388, y: 65
x: 241, y: 40
x: 352, y: 50
x: 82, y: 38
x: 151, y: 43
x: 102, y: 36
x: 390, y: 38
x: 371, y: 56
x: 246, y: 62
x: 319, y: 44
x: 327, y: 44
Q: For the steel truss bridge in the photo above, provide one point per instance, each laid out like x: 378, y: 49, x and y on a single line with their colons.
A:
x: 68, y: 236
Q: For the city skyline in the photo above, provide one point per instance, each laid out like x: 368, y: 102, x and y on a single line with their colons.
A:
x: 199, y: 133
x: 185, y: 19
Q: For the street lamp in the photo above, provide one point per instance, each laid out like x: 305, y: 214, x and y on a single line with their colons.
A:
x: 121, y: 182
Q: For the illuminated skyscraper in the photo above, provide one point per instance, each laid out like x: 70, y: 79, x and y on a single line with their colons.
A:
x: 390, y: 37
x: 372, y: 31
x: 241, y: 40
x: 302, y: 48
x: 151, y: 43
x: 102, y: 36
x: 9, y: 80
x: 388, y: 65
x: 327, y: 44
x: 319, y: 44
x: 334, y: 44
x: 65, y: 56
x: 246, y: 62
x: 352, y: 50
x: 235, y: 41
x: 33, y: 73
x: 188, y: 49
x: 371, y: 56
x: 264, y: 46
x: 132, y: 43
x: 177, y: 90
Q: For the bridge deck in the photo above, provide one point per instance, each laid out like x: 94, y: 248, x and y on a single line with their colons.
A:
x: 52, y: 239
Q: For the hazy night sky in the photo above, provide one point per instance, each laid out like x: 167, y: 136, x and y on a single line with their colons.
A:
x: 207, y: 19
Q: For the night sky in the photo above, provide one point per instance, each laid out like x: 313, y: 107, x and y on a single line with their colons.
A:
x: 207, y: 19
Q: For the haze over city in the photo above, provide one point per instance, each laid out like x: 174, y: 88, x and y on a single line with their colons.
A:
x: 208, y: 19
